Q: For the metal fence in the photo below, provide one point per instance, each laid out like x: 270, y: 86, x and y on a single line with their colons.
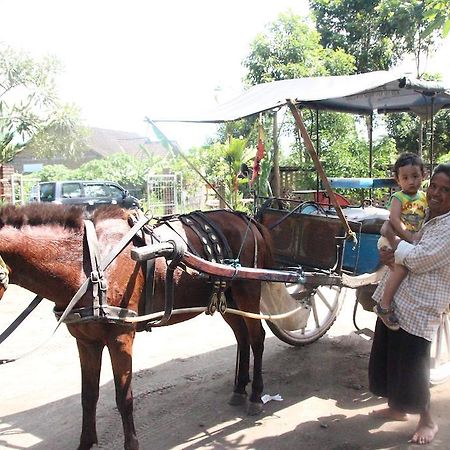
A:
x: 165, y: 194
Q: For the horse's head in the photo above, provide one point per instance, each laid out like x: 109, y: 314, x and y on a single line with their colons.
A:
x: 4, y: 277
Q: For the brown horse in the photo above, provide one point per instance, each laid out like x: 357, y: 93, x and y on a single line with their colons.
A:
x: 44, y: 247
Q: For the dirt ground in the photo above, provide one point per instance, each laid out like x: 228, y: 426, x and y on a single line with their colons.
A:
x: 183, y: 378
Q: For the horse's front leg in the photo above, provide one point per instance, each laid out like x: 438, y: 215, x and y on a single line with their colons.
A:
x: 90, y: 359
x: 120, y: 348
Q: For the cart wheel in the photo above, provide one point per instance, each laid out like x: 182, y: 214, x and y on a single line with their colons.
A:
x: 325, y: 303
x: 440, y: 352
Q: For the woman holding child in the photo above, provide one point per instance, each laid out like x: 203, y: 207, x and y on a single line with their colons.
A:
x: 399, y: 364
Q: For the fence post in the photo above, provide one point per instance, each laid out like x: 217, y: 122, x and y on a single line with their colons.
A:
x: 6, y: 192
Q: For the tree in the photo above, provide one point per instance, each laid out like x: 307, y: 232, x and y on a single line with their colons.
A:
x: 404, y: 128
x: 378, y: 33
x: 290, y: 48
x: 438, y: 14
x: 30, y: 110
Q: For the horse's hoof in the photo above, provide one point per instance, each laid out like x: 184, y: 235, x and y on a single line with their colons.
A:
x: 237, y: 399
x: 254, y: 409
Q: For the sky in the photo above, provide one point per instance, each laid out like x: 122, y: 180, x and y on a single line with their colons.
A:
x: 126, y: 60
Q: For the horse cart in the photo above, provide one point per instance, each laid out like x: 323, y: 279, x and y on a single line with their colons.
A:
x: 115, y: 274
x: 333, y: 242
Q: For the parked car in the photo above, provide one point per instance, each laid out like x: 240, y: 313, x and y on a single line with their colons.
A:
x: 89, y: 194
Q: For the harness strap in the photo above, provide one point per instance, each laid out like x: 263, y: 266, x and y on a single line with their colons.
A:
x: 99, y: 285
x: 104, y: 265
x: 213, y: 229
x: 109, y: 314
x: 216, y: 248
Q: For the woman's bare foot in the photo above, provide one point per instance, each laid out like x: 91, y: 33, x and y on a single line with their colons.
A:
x: 389, y: 414
x: 424, y: 433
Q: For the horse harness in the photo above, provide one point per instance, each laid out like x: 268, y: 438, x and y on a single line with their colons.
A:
x: 215, y: 247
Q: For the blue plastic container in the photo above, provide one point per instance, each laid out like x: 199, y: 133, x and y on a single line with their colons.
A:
x: 364, y: 258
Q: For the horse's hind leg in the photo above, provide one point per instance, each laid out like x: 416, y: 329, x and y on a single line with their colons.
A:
x: 120, y: 349
x: 246, y: 296
x: 249, y: 333
x: 257, y: 335
x: 90, y: 359
x: 242, y: 378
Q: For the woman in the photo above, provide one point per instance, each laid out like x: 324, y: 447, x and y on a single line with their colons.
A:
x: 399, y: 363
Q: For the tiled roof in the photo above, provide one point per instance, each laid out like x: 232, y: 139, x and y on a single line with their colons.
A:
x: 106, y: 142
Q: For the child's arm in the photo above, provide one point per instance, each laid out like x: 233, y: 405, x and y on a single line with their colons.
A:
x: 397, y: 224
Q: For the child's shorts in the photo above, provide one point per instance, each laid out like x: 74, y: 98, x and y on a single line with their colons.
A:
x: 383, y: 243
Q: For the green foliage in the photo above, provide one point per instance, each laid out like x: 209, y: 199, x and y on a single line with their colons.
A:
x: 437, y: 12
x: 341, y: 154
x: 378, y: 33
x: 404, y: 129
x: 61, y: 134
x: 54, y: 172
x: 30, y: 111
x: 123, y: 168
x: 290, y: 48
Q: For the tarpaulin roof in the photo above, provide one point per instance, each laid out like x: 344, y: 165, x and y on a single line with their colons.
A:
x: 364, y: 93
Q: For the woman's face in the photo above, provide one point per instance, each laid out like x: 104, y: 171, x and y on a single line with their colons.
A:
x: 438, y: 194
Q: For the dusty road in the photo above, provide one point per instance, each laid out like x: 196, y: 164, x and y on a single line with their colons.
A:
x: 183, y: 377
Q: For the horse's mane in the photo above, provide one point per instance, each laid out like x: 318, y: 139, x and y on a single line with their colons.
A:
x: 42, y: 214
x: 70, y: 217
x: 110, y: 212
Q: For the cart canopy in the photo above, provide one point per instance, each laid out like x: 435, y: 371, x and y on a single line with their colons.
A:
x: 364, y: 93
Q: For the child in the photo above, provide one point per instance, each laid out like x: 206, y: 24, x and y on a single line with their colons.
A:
x: 407, y: 212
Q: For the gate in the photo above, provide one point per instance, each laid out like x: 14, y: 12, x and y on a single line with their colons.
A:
x: 165, y: 194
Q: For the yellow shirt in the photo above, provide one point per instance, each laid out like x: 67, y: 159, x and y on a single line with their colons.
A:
x: 413, y: 209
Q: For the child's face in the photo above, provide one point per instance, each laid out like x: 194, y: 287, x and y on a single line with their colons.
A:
x: 410, y: 178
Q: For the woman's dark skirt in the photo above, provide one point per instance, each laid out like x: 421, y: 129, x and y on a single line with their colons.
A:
x: 399, y: 369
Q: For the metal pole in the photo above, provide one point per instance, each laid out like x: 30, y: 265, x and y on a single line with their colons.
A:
x: 370, y: 144
x: 276, y: 183
x: 432, y: 136
x: 370, y: 151
x: 318, y: 151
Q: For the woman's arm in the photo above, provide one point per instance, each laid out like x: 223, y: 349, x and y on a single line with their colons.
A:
x: 432, y: 252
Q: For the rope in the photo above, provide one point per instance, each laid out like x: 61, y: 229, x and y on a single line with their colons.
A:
x: 201, y: 309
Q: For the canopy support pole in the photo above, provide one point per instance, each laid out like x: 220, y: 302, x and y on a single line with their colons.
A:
x: 371, y: 145
x: 318, y: 150
x: 371, y: 151
x: 318, y: 166
x: 276, y: 187
x: 432, y: 136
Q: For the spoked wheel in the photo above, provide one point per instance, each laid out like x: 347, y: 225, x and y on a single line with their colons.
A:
x: 325, y: 303
x: 440, y: 352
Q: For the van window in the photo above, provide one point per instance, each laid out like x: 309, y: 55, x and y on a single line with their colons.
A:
x: 95, y: 190
x: 47, y: 192
x: 115, y: 191
x: 70, y: 190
